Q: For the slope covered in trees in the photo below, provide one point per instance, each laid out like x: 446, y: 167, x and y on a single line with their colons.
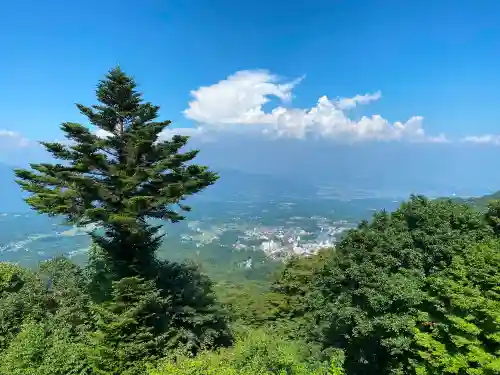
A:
x: 415, y: 291
x: 393, y: 296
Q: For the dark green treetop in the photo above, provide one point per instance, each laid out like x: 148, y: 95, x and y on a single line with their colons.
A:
x: 119, y: 180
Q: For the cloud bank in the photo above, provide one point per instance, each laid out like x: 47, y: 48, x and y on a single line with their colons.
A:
x: 237, y: 103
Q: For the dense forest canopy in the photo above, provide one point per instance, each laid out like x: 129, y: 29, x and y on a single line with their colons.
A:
x: 414, y: 291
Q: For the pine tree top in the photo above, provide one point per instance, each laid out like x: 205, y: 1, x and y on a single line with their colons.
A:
x: 121, y: 174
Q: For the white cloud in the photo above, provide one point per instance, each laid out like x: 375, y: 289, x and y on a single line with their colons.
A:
x: 237, y: 102
x: 9, y: 138
x: 101, y: 133
x: 238, y: 99
x: 348, y: 103
x: 441, y: 138
x: 483, y: 139
x: 169, y: 132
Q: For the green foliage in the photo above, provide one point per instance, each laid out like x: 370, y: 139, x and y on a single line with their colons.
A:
x: 416, y: 291
x: 367, y: 297
x: 11, y: 277
x: 44, y: 349
x: 294, y: 283
x: 22, y: 296
x: 128, y: 306
x: 129, y: 332
x: 492, y: 216
x: 250, y: 304
x: 459, y: 329
x: 66, y: 288
x: 99, y: 274
x: 44, y: 320
x: 193, y: 311
x: 53, y: 312
x: 25, y: 353
x: 146, y: 319
x: 142, y: 323
x: 120, y: 180
x: 256, y: 353
x: 412, y: 292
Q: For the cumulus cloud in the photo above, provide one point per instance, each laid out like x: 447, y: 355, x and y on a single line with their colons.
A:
x: 237, y: 102
x: 237, y: 99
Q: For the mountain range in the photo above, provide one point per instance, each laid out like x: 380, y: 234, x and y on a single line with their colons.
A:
x: 241, y: 186
x: 232, y: 185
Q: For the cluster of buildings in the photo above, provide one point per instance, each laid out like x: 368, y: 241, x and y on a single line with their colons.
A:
x: 277, y: 242
x: 295, y: 241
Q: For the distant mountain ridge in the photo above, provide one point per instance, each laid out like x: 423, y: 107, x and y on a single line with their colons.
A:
x: 232, y: 185
x: 238, y: 185
x: 479, y: 202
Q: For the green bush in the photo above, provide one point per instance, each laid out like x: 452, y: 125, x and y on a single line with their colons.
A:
x: 39, y: 349
x: 256, y: 353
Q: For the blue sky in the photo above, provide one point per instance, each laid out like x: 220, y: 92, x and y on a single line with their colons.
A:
x: 432, y: 63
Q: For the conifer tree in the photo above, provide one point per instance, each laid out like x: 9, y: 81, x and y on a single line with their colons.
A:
x: 126, y: 338
x: 119, y: 176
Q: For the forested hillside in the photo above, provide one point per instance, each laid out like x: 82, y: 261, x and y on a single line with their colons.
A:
x: 414, y: 291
